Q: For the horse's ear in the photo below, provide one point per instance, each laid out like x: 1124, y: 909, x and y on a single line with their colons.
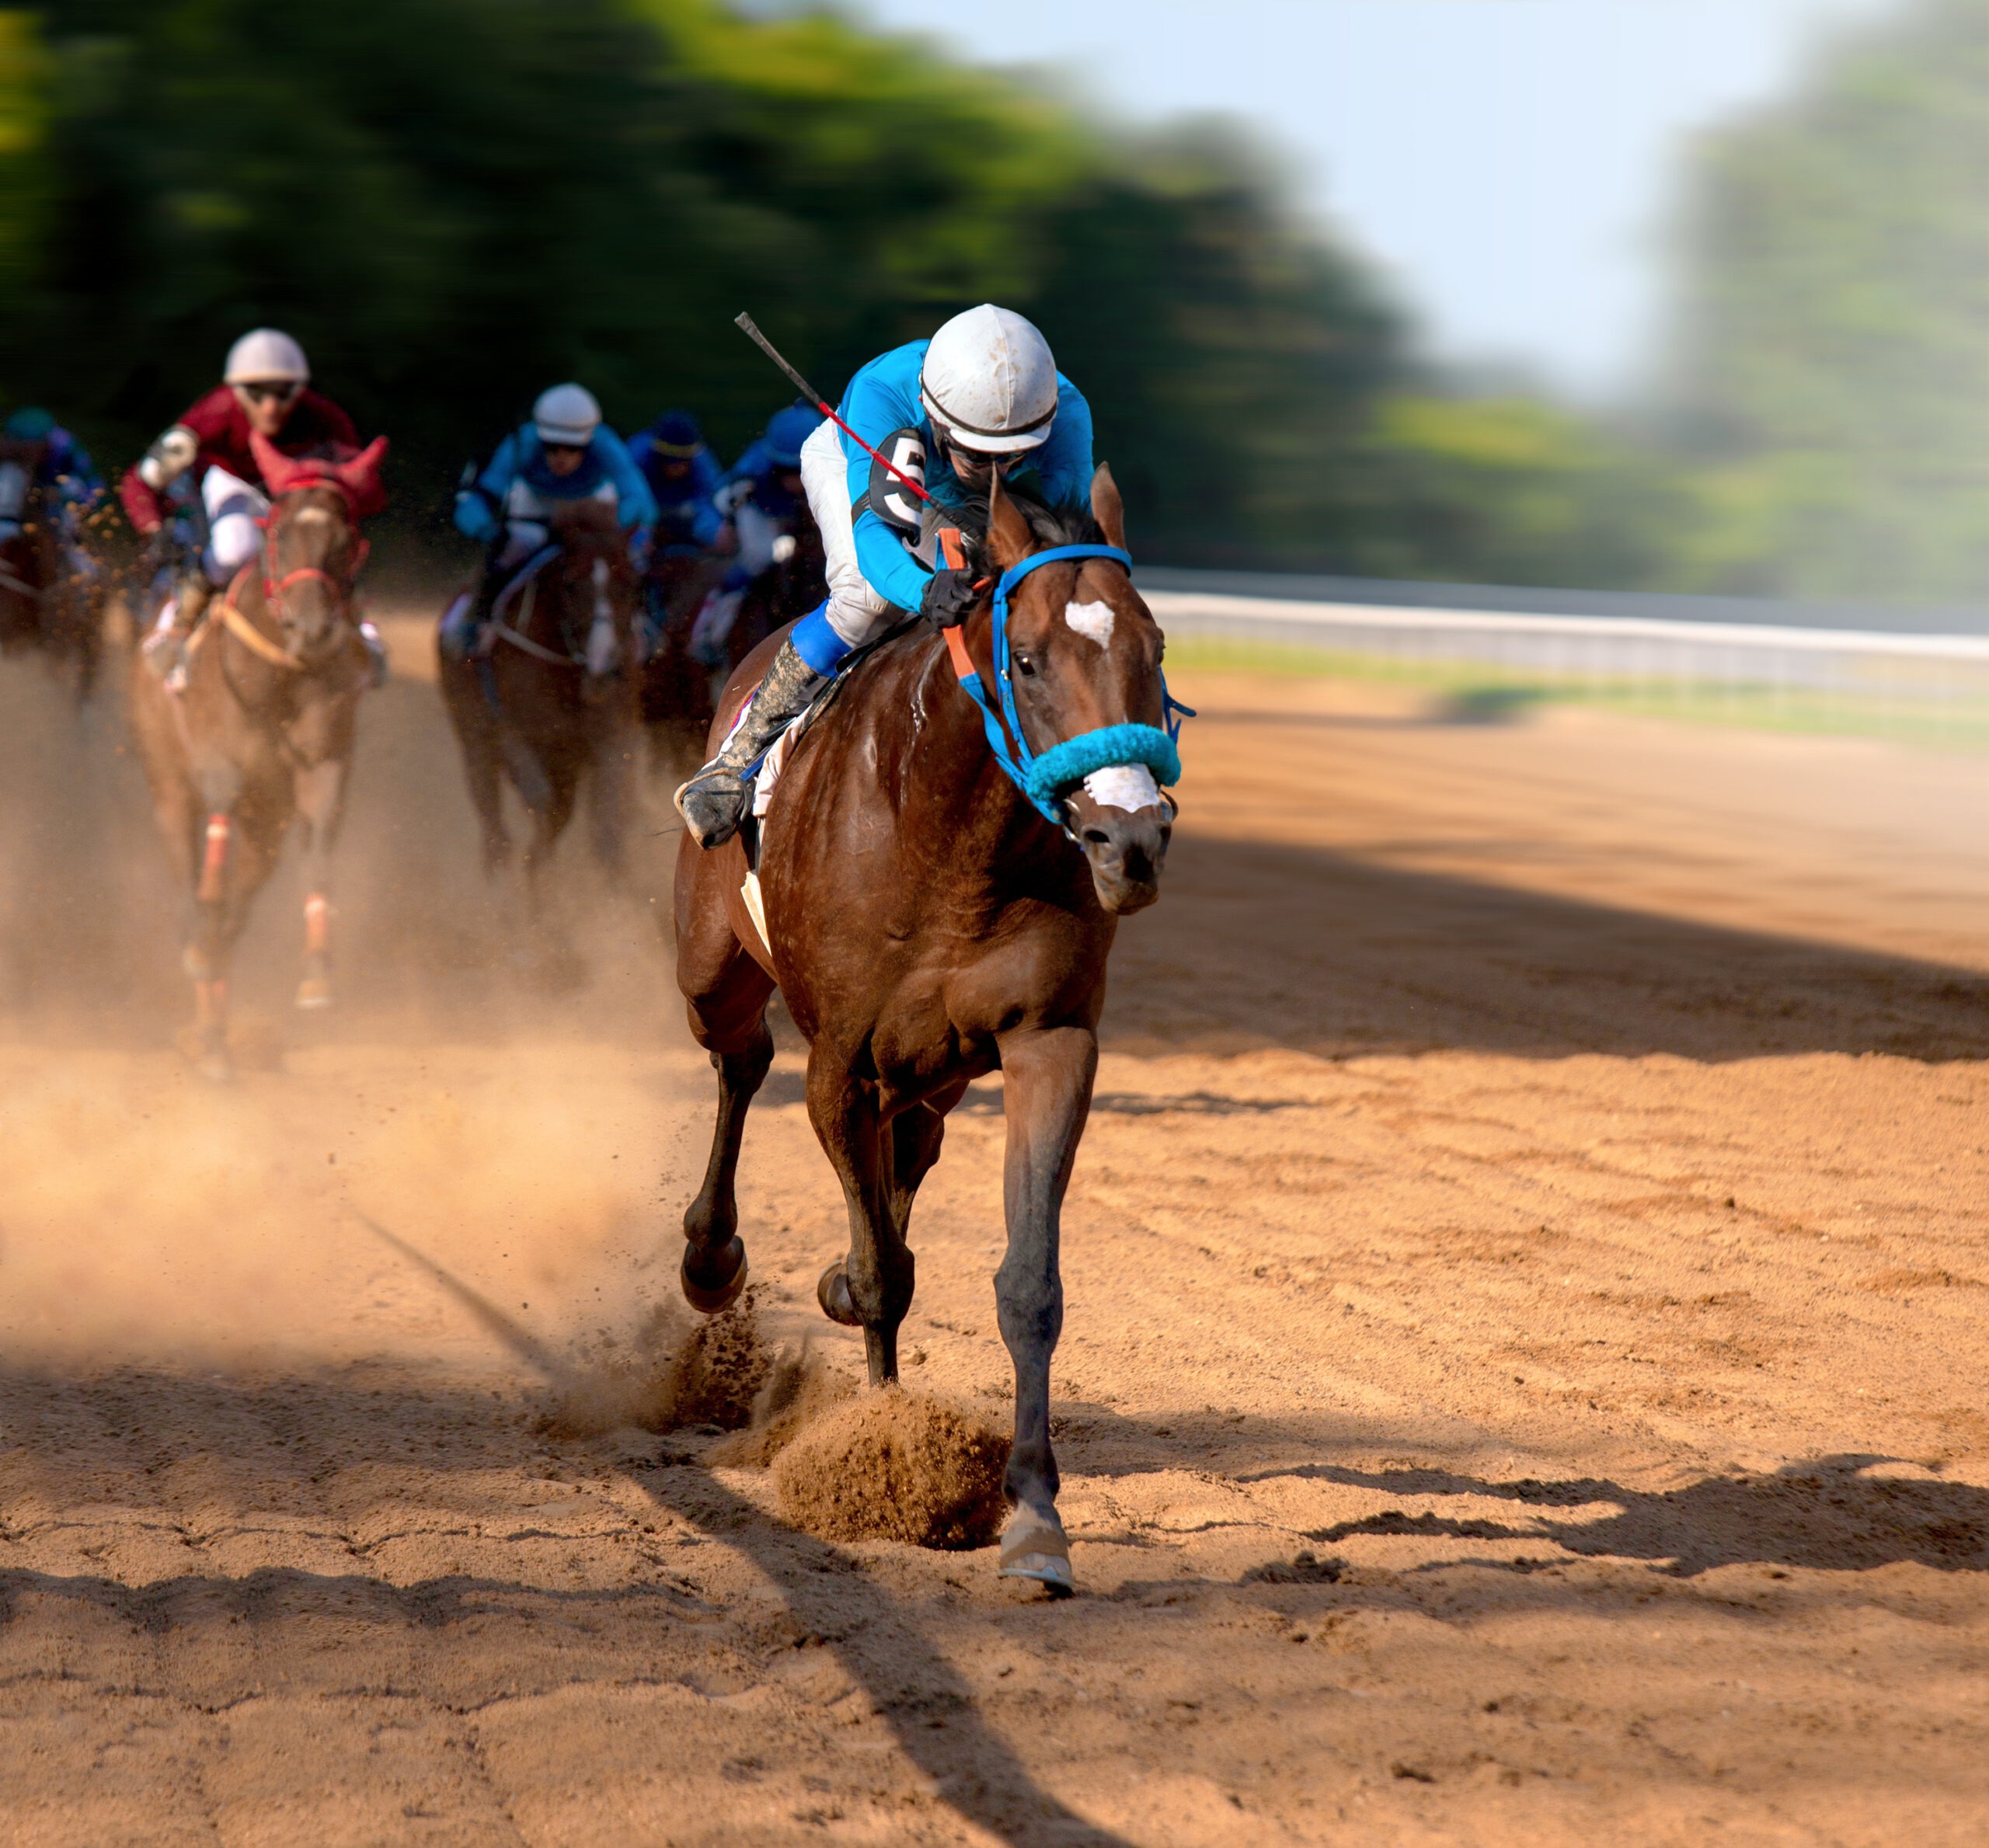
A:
x: 279, y: 472
x: 1107, y: 507
x: 1009, y: 540
x: 360, y: 477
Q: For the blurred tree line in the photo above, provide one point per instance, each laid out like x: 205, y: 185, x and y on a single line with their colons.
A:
x: 454, y: 203
x: 1829, y: 393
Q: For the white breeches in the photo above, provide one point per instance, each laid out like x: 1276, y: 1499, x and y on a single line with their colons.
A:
x: 528, y: 520
x: 856, y: 612
x: 757, y: 534
x: 233, y: 537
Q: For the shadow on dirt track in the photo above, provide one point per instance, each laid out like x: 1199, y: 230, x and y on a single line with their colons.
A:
x: 1258, y: 945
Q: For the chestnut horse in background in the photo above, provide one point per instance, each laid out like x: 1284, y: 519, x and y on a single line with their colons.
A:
x: 262, y: 732
x: 926, y: 924
x: 549, y: 698
x: 680, y: 689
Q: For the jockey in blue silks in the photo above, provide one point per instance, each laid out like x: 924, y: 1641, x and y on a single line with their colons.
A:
x: 983, y: 394
x: 68, y: 478
x: 564, y: 454
x: 683, y: 475
x: 762, y: 490
x: 70, y: 485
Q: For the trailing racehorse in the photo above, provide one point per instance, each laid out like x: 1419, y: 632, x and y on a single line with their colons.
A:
x: 705, y: 637
x: 940, y: 873
x: 547, y: 698
x: 261, y: 732
x: 51, y: 596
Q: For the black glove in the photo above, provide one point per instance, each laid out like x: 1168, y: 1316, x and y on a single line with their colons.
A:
x: 950, y: 594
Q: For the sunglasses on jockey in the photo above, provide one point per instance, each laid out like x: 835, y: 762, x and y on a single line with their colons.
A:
x: 976, y: 464
x: 271, y: 391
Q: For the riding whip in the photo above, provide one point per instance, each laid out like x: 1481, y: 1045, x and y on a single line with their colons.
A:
x: 747, y: 325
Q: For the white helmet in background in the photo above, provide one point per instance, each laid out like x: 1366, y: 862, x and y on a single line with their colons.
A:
x: 989, y: 380
x: 264, y: 356
x: 567, y: 416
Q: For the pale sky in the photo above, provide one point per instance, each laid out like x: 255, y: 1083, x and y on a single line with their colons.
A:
x: 1510, y: 162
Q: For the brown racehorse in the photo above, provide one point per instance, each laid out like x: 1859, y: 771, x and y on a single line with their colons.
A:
x: 48, y: 598
x: 678, y: 690
x: 926, y: 925
x: 549, y: 699
x: 262, y: 732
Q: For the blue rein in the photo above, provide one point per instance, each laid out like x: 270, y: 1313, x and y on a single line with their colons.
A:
x: 1043, y: 778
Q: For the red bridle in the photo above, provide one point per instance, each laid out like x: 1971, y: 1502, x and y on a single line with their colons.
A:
x: 274, y: 586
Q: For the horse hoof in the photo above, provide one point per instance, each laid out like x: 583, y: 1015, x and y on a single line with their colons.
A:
x: 314, y: 992
x: 832, y: 1291
x: 1035, y: 1549
x: 702, y: 1289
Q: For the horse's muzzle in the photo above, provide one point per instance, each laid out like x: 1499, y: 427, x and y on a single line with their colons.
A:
x: 1127, y: 850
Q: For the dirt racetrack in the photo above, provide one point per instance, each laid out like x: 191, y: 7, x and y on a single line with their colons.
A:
x: 1524, y: 1379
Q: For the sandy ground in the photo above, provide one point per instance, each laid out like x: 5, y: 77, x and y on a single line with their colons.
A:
x: 1524, y: 1377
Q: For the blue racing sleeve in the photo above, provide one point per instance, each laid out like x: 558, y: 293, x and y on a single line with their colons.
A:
x: 633, y: 501
x: 881, y: 399
x: 479, y: 507
x: 1064, y: 463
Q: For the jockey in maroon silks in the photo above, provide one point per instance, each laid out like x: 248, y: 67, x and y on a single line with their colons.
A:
x: 265, y: 389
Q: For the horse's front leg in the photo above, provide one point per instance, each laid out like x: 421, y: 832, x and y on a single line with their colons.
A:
x: 321, y: 800
x: 871, y: 1289
x: 724, y: 992
x: 1046, y: 1080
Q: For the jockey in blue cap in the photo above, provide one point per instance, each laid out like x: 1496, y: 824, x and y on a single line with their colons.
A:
x: 983, y: 395
x: 683, y: 474
x: 63, y: 471
x: 564, y: 454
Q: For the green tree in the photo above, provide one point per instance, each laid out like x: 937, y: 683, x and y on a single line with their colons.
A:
x: 1831, y: 379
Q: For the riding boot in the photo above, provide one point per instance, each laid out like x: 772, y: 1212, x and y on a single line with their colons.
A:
x: 465, y: 621
x: 713, y: 801
x: 165, y: 649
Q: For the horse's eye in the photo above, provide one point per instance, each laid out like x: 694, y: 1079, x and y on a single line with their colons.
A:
x: 1025, y: 666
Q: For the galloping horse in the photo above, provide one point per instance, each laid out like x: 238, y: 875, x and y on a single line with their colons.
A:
x: 938, y: 878
x: 47, y: 598
x: 262, y: 731
x: 679, y: 686
x: 550, y: 694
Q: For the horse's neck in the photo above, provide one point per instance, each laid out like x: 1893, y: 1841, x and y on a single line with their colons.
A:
x: 950, y: 773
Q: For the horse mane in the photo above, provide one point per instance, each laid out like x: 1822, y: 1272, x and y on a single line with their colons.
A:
x: 1050, y: 526
x: 588, y: 519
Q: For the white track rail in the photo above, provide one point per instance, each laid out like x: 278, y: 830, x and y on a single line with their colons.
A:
x: 1912, y: 675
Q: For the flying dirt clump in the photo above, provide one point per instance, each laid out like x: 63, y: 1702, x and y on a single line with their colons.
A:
x: 672, y: 1373
x: 895, y: 1466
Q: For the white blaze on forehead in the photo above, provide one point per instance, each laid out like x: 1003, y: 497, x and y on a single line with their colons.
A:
x: 1123, y: 785
x: 1091, y: 619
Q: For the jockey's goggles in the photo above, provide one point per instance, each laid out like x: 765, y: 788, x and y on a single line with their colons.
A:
x: 977, y: 462
x: 271, y: 391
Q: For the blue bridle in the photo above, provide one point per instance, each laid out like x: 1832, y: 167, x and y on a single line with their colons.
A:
x: 1043, y: 777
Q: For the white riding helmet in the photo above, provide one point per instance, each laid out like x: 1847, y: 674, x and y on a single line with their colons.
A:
x: 988, y: 378
x: 264, y: 355
x: 567, y: 415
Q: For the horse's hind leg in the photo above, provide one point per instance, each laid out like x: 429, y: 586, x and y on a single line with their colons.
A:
x: 1046, y: 1080
x: 614, y: 751
x: 872, y: 1288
